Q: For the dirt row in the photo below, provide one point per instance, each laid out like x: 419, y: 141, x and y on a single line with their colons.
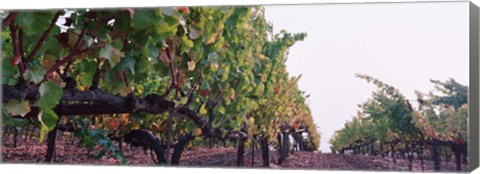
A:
x: 31, y: 151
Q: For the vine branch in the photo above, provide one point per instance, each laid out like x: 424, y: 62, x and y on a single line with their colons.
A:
x: 43, y: 37
x: 68, y: 58
x: 8, y: 19
x: 16, y: 48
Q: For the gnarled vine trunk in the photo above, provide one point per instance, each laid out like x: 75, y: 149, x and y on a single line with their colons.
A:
x: 145, y: 138
x: 179, y: 147
x: 52, y: 136
x: 265, y: 152
x: 392, y: 146
x: 436, y: 156
x: 240, y: 151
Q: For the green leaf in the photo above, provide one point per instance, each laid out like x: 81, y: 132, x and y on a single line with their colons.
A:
x: 182, y: 101
x: 186, y: 44
x: 35, y: 74
x: 144, y: 19
x: 43, y: 130
x: 34, y: 22
x: 127, y: 63
x: 15, y: 122
x: 9, y: 72
x: 49, y: 119
x: 123, y: 22
x: 89, y: 143
x: 50, y: 94
x: 226, y: 71
x: 142, y: 65
x: 51, y: 45
x: 100, y: 154
x: 259, y: 90
x: 15, y: 107
x: 164, y: 30
x: 118, y: 87
x: 205, y: 85
x: 238, y: 123
x: 210, y: 35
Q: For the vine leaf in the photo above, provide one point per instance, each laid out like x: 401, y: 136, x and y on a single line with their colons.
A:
x: 197, y: 132
x: 143, y: 19
x: 203, y: 110
x: 194, y: 33
x: 186, y: 44
x: 221, y: 109
x: 51, y: 94
x: 113, y: 55
x: 34, y: 22
x: 16, y: 107
x: 48, y: 120
x: 35, y: 74
x: 127, y: 63
x: 251, y: 120
x: 165, y: 31
x: 191, y: 65
x: 48, y: 61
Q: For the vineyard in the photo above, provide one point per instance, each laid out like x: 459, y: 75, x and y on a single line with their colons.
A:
x: 388, y: 125
x: 197, y: 86
x: 163, y: 79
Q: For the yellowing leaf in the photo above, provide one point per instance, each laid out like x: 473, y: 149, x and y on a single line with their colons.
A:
x: 186, y: 44
x: 72, y: 39
x: 113, y: 55
x: 221, y: 110
x: 197, y: 132
x: 48, y: 61
x: 251, y: 120
x: 212, y: 38
x: 15, y: 107
x: 226, y: 71
x: 191, y: 65
x: 43, y: 131
x: 232, y: 93
x: 203, y: 111
x: 261, y: 56
x: 164, y: 30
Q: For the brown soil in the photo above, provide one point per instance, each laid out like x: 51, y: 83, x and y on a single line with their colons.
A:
x: 31, y: 151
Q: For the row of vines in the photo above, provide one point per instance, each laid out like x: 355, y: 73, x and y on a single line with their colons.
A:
x: 388, y: 124
x: 158, y: 78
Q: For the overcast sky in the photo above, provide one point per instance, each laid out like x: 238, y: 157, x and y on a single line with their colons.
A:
x: 402, y: 44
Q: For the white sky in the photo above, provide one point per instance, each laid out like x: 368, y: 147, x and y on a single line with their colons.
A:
x: 404, y: 45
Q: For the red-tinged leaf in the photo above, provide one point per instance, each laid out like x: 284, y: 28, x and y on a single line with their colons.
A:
x: 16, y: 60
x: 114, y: 123
x: 184, y: 10
x: 205, y: 92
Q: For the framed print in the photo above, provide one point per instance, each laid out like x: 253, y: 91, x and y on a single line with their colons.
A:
x: 384, y: 86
